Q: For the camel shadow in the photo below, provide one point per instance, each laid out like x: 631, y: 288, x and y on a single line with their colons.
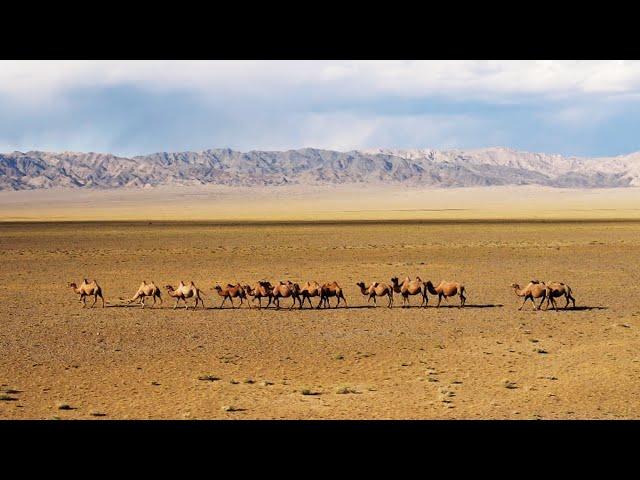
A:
x: 578, y: 309
x: 471, y: 305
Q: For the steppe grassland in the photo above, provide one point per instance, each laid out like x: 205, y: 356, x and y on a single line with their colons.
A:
x: 485, y: 361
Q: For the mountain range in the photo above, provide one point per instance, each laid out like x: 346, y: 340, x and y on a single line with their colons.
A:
x: 417, y: 167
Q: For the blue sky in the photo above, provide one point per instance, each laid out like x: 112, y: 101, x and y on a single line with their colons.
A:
x: 584, y: 108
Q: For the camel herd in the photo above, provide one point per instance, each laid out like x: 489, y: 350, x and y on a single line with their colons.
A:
x: 301, y: 293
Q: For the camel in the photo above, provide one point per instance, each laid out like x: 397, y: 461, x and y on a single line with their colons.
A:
x: 285, y: 290
x: 409, y: 287
x: 88, y: 289
x: 559, y: 289
x: 534, y: 289
x: 446, y: 289
x: 308, y: 290
x: 231, y: 292
x: 260, y: 290
x: 331, y: 289
x: 377, y: 290
x: 183, y: 292
x: 146, y: 290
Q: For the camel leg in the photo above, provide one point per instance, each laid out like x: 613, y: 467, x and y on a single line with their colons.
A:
x: 95, y: 299
x: 569, y: 298
x: 523, y: 302
x: 142, y: 302
x: 439, y: 300
x: 390, y: 301
x: 224, y: 299
x: 231, y: 300
x: 160, y: 298
x: 463, y: 299
x: 325, y: 302
x: 345, y: 301
x: 176, y: 305
x: 83, y: 299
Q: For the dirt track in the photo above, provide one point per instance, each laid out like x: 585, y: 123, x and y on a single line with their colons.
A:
x: 485, y: 361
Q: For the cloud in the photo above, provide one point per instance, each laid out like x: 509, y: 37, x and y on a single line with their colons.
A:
x: 135, y: 107
x: 469, y: 79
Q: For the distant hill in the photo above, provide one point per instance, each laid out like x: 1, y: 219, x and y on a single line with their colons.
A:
x: 420, y: 167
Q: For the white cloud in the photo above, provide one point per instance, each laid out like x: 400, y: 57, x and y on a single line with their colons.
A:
x: 463, y: 79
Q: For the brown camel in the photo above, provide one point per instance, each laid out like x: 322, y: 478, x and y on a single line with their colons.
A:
x: 377, y: 290
x: 87, y: 289
x: 231, y: 292
x: 534, y: 289
x: 409, y: 287
x: 446, y: 289
x: 183, y: 292
x: 308, y: 290
x: 260, y: 290
x: 559, y: 289
x: 285, y: 290
x: 146, y: 290
x: 331, y: 289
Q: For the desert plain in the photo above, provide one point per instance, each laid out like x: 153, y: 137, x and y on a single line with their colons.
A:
x: 486, y: 361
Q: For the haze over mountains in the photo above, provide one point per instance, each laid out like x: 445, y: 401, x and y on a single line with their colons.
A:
x: 418, y: 167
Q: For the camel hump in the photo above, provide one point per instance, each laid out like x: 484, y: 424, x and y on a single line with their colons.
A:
x: 230, y: 285
x: 375, y: 284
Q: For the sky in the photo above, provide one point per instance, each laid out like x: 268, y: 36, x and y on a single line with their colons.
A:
x: 583, y: 108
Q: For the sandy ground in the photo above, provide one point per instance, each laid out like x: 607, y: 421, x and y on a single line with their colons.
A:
x: 485, y: 361
x: 341, y: 202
